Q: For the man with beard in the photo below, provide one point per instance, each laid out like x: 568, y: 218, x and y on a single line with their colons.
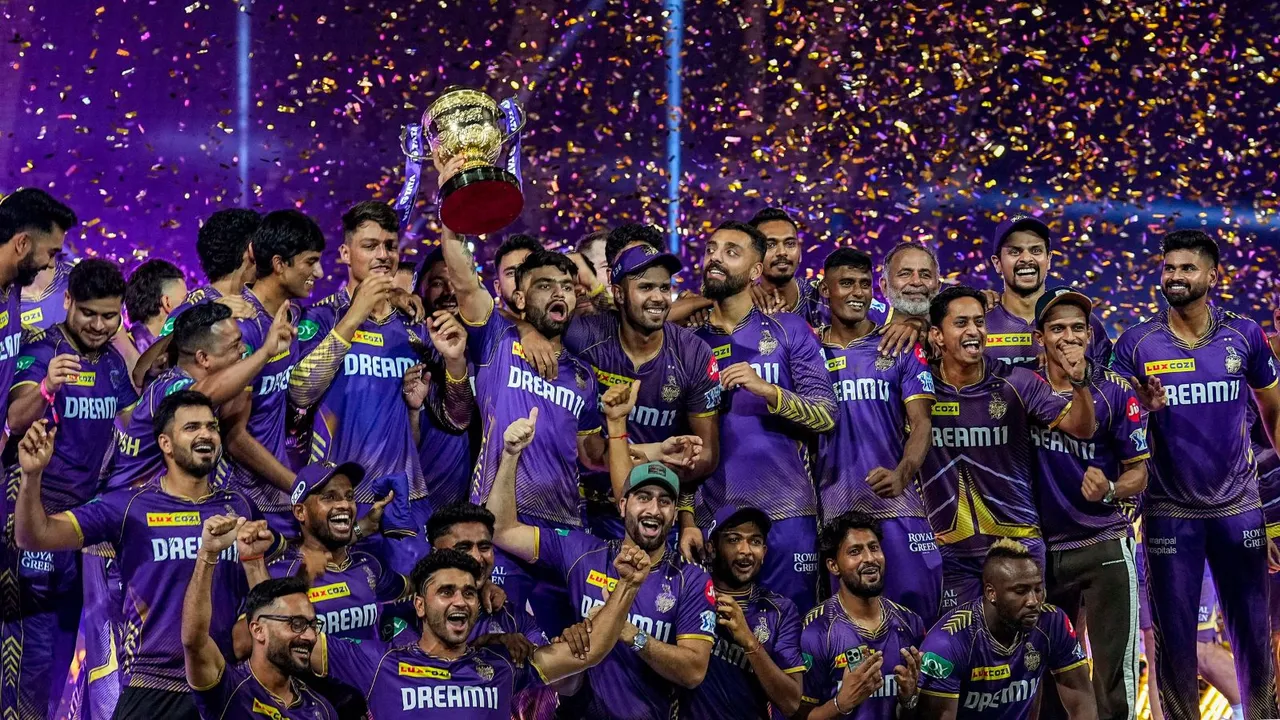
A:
x: 850, y: 638
x: 868, y: 463
x: 778, y: 398
x: 357, y: 350
x: 443, y: 674
x: 284, y: 627
x: 909, y: 280
x: 510, y: 254
x: 155, y: 531
x: 678, y: 379
x: 154, y: 289
x: 1203, y: 500
x: 667, y: 640
x: 71, y: 376
x: 987, y: 658
x: 1021, y: 257
x: 778, y: 286
x: 1083, y: 494
x: 508, y: 387
x: 286, y: 250
x: 976, y: 480
x: 42, y: 304
x: 755, y: 663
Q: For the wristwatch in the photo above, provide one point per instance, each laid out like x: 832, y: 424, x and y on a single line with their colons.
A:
x: 1110, y: 497
x: 911, y: 702
x: 641, y: 639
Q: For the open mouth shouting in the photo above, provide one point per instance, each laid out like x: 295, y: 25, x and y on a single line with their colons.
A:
x: 457, y: 621
x: 203, y: 448
x: 971, y: 347
x: 650, y: 528
x: 340, y: 522
x: 1027, y: 273
x: 558, y: 311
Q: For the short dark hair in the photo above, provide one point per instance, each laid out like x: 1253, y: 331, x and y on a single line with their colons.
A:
x: 193, y: 329
x: 591, y: 239
x: 373, y: 211
x: 847, y: 257
x: 268, y: 591
x: 545, y: 258
x: 33, y: 209
x: 170, y: 406
x: 222, y: 239
x: 513, y: 243
x: 145, y: 288
x: 834, y: 531
x: 624, y: 235
x: 445, y: 518
x: 758, y: 240
x: 95, y: 279
x: 441, y: 559
x: 770, y: 214
x: 942, y: 302
x: 284, y: 234
x: 1196, y: 240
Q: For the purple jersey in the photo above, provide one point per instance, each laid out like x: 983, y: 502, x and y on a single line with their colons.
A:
x: 204, y: 293
x: 506, y: 388
x: 267, y: 417
x: 347, y: 598
x: 675, y: 602
x: 1201, y: 464
x: 136, y: 457
x: 362, y: 416
x: 681, y: 381
x: 832, y: 642
x: 238, y: 694
x: 446, y: 457
x: 764, y: 456
x: 961, y: 660
x: 141, y: 337
x: 872, y: 392
x: 405, y: 682
x: 730, y: 688
x: 810, y: 304
x: 156, y: 536
x: 85, y: 410
x: 48, y: 309
x: 976, y: 478
x: 1010, y: 340
x: 1067, y: 519
x: 10, y: 340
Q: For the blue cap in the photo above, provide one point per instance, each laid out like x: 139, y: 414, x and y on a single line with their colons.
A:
x: 313, y: 477
x: 639, y: 257
x: 1012, y: 225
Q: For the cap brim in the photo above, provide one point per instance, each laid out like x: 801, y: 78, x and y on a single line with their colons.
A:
x: 1074, y: 298
x: 653, y: 481
x: 354, y: 472
x: 746, y: 515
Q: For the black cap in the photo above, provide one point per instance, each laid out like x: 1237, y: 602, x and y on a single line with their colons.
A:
x: 1060, y: 295
x: 1012, y: 225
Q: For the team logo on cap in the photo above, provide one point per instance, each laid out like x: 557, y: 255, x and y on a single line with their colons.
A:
x: 649, y: 250
x: 298, y: 493
x: 998, y: 407
x: 1235, y: 362
x: 768, y: 343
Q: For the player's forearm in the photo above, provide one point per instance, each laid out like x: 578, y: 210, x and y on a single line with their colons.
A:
x: 140, y: 369
x: 33, y: 529
x: 1079, y: 419
x: 619, y: 460
x: 783, y: 690
x: 1076, y: 692
x: 197, y: 603
x: 1132, y: 481
x: 593, y: 452
x: 474, y: 302
x: 679, y: 665
x: 686, y: 306
x: 811, y: 413
x: 225, y: 384
x: 255, y: 571
x: 415, y: 425
x: 313, y: 374
x: 458, y: 397
x: 557, y: 661
x: 26, y: 406
x: 917, y: 445
x: 257, y: 459
x: 509, y: 533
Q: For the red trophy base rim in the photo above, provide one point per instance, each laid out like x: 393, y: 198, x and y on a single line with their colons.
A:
x: 480, y: 201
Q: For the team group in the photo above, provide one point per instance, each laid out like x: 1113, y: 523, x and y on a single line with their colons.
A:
x: 570, y: 493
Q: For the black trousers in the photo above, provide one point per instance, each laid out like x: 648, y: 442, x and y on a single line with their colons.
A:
x: 147, y: 704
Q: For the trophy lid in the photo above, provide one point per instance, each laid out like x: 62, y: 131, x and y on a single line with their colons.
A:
x: 457, y: 96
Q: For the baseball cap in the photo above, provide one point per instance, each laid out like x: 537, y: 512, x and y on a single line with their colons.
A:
x: 639, y: 257
x: 1054, y: 297
x: 1018, y: 222
x: 313, y: 477
x: 730, y: 516
x: 653, y: 473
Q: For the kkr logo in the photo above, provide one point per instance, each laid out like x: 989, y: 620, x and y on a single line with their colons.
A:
x: 1160, y: 367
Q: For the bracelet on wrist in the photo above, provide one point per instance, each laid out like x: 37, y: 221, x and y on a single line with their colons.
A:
x: 619, y: 436
x: 250, y: 558
x: 836, y: 702
x: 204, y: 558
x: 450, y: 378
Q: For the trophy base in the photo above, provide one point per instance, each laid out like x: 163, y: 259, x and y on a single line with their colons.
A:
x: 480, y: 201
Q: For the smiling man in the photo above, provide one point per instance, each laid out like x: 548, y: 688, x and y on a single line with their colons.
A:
x: 987, y: 658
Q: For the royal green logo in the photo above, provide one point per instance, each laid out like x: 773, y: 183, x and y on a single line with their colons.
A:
x: 936, y: 666
x: 180, y: 385
x: 248, y: 350
x: 562, y: 532
x: 307, y: 329
x: 167, y: 329
x: 808, y: 661
x: 25, y: 362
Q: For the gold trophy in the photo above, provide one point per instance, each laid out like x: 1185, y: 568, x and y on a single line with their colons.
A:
x: 483, y: 197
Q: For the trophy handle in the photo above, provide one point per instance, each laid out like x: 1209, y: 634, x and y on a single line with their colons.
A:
x: 406, y: 146
x: 513, y: 117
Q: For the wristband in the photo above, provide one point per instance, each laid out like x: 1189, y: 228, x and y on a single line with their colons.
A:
x: 619, y: 436
x: 685, y: 503
x: 50, y: 398
x: 452, y: 379
x: 836, y: 701
x: 250, y: 558
x: 207, y: 562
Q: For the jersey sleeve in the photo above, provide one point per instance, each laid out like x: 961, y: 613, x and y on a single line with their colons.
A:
x: 33, y: 363
x: 1260, y: 366
x: 218, y: 695
x: 1065, y: 652
x: 1038, y: 397
x: 584, y: 331
x: 696, y: 615
x: 812, y: 403
x: 786, y: 649
x: 560, y: 548
x: 702, y: 394
x: 316, y: 323
x: 1123, y: 360
x: 818, y: 687
x: 391, y: 585
x: 350, y: 662
x: 941, y: 665
x: 1129, y: 426
x: 483, y: 338
x: 590, y: 420
x: 102, y: 519
x: 527, y: 626
x: 915, y: 379
x: 1100, y: 345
